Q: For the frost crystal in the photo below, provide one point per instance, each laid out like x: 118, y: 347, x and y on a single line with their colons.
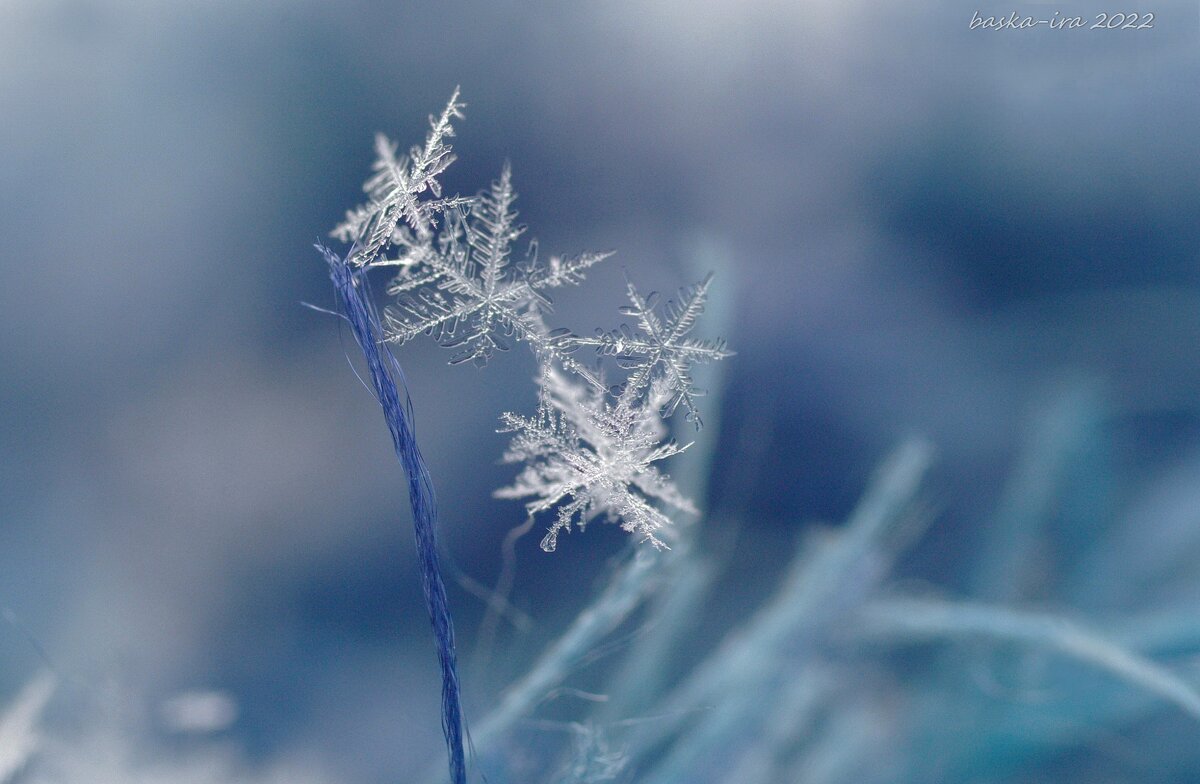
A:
x: 467, y: 294
x: 587, y: 457
x: 593, y: 760
x: 658, y: 347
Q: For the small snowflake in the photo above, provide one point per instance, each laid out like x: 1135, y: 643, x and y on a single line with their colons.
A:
x: 658, y: 347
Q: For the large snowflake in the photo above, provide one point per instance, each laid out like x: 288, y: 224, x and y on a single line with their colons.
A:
x: 466, y: 292
x: 587, y: 456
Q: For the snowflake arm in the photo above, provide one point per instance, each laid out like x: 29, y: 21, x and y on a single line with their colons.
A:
x: 559, y: 271
x: 394, y: 191
x: 494, y: 230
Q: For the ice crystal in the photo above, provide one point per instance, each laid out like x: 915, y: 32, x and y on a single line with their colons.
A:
x: 587, y: 456
x: 593, y: 759
x: 466, y: 293
x: 658, y: 348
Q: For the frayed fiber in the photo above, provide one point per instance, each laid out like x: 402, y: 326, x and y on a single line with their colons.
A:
x: 355, y: 305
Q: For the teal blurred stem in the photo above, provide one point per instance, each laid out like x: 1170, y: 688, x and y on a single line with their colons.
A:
x: 918, y: 619
x: 622, y: 596
x: 731, y: 690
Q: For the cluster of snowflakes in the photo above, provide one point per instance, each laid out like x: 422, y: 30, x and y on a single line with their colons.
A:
x: 591, y: 448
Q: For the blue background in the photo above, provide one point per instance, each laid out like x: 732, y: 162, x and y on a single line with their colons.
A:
x: 916, y: 227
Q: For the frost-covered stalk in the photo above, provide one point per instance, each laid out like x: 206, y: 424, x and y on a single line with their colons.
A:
x: 591, y: 449
x: 922, y: 618
x: 825, y: 581
x: 622, y: 596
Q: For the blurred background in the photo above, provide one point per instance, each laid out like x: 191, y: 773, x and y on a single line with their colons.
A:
x: 916, y: 227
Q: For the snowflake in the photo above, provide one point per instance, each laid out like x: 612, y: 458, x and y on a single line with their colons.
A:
x: 467, y: 294
x: 588, y: 456
x: 657, y: 348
